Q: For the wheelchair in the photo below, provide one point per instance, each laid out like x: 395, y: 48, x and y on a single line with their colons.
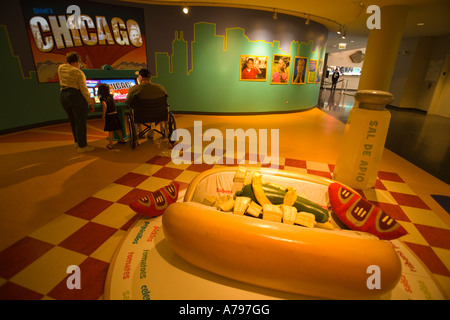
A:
x: 149, y: 113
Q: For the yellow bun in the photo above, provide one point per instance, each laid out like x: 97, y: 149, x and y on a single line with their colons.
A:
x: 308, y: 261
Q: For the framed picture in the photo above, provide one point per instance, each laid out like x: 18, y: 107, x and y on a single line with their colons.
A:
x: 312, y: 71
x: 253, y: 68
x: 319, y: 71
x: 280, y: 69
x: 299, y: 70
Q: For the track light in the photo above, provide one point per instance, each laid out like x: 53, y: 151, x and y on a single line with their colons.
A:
x: 307, y: 20
x: 344, y: 32
x: 274, y: 15
x: 340, y: 30
x: 185, y: 10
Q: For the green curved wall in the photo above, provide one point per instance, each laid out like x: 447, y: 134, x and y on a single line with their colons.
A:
x: 196, y: 58
x: 212, y: 85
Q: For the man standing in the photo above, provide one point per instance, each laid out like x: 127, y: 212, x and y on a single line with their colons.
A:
x: 334, y: 79
x: 75, y: 99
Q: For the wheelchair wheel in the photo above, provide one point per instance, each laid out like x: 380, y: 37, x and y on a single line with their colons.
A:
x: 172, y: 126
x: 132, y: 131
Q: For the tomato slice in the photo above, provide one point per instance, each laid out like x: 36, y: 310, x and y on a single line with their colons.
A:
x: 156, y: 202
x: 359, y: 214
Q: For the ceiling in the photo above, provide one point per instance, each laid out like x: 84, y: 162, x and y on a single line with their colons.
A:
x: 435, y: 14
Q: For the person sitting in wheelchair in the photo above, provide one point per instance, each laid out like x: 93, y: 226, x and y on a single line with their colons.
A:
x: 147, y: 99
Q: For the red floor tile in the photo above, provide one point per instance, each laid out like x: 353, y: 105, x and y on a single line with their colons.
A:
x: 89, y: 208
x: 162, y: 161
x: 409, y: 200
x: 272, y: 166
x: 182, y: 185
x: 436, y: 237
x: 133, y: 195
x: 379, y: 185
x: 393, y: 210
x: 331, y: 166
x: 87, y: 239
x: 429, y: 258
x: 167, y: 173
x: 391, y: 176
x: 187, y: 155
x: 131, y: 179
x: 324, y: 174
x: 12, y: 291
x: 19, y: 255
x: 295, y: 163
x: 92, y: 277
x: 199, y: 167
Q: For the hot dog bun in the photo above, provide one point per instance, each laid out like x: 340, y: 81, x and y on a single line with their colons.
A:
x: 314, y: 262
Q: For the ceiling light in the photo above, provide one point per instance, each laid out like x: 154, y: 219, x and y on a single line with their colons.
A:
x: 307, y: 21
x: 274, y: 16
x: 340, y: 30
x: 185, y: 10
x: 421, y: 24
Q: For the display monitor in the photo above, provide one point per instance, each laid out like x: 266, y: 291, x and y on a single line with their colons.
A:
x: 119, y: 88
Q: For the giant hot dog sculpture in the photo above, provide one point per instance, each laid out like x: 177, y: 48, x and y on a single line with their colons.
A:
x: 308, y: 261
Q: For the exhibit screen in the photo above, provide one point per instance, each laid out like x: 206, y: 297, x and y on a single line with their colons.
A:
x: 119, y: 88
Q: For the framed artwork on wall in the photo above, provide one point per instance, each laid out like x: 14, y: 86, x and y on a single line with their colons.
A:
x: 299, y: 70
x: 280, y: 69
x: 312, y: 71
x: 253, y: 68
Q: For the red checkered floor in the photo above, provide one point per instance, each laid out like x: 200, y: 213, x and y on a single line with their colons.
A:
x: 88, y: 234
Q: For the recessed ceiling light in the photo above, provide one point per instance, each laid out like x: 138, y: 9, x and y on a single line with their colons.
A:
x: 421, y: 24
